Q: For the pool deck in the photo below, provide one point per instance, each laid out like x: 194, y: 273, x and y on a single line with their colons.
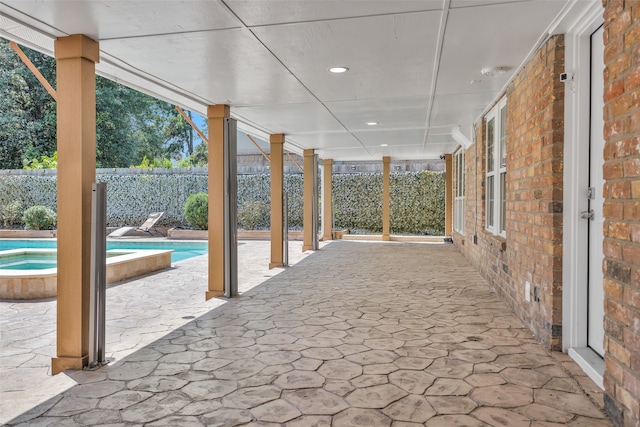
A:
x: 356, y: 334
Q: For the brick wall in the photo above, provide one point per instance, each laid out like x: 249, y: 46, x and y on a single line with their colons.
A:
x: 622, y: 211
x: 532, y: 250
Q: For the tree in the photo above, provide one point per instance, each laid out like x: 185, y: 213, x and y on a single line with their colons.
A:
x: 27, y: 111
x: 129, y: 124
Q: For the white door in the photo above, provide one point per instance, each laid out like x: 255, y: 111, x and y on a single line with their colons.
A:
x: 595, y: 332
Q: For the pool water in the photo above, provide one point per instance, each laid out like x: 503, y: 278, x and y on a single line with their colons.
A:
x: 28, y: 265
x: 182, y: 250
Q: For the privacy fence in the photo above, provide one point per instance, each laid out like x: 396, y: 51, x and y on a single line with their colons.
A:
x: 417, y: 198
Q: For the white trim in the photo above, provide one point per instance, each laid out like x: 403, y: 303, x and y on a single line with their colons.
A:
x: 576, y: 157
x: 460, y: 192
x: 590, y: 362
x: 499, y: 168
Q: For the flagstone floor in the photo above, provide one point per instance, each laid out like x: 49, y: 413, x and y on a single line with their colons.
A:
x: 356, y: 334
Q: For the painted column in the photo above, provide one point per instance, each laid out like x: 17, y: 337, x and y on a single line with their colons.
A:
x: 307, y: 218
x: 276, y: 171
x: 448, y: 194
x: 327, y: 200
x: 76, y: 57
x: 215, y: 119
x: 386, y: 215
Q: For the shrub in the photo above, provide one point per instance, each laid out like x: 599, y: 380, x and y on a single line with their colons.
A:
x: 251, y: 214
x: 196, y: 210
x: 11, y: 213
x: 39, y: 218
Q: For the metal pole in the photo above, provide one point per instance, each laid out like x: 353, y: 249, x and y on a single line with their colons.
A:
x: 285, y: 230
x: 98, y: 285
x: 314, y: 205
x: 230, y: 209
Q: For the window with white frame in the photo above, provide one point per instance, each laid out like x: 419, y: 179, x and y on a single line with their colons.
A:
x: 496, y: 167
x: 458, y: 223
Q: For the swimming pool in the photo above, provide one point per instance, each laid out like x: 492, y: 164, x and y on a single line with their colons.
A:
x: 181, y: 250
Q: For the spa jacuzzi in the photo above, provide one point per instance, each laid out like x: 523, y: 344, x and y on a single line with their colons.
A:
x: 32, y: 273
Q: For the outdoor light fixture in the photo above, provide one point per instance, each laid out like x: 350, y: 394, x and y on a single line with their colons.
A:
x: 372, y: 123
x: 353, y: 167
x: 384, y: 145
x: 460, y: 138
x: 338, y: 70
x: 397, y: 167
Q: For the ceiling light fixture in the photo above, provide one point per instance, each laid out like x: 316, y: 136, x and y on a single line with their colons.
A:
x: 493, y: 71
x: 338, y: 70
x: 384, y: 145
x: 372, y: 123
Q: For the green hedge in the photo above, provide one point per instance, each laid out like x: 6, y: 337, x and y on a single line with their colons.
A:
x: 417, y: 198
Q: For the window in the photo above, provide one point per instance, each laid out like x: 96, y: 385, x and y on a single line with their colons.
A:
x: 496, y: 201
x: 458, y: 223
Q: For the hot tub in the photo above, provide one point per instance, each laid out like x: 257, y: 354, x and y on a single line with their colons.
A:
x: 32, y: 273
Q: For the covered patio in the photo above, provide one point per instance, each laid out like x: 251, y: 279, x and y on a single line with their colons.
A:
x: 393, y: 334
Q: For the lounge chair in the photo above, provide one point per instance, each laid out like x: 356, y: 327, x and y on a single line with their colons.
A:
x: 147, y: 226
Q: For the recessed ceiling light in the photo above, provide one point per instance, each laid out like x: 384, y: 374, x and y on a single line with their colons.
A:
x: 384, y: 145
x: 338, y: 70
x: 372, y: 123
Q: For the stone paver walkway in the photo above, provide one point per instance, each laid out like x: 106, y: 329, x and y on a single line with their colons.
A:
x: 357, y: 334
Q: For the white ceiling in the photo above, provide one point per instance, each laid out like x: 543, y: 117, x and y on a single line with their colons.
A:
x: 411, y: 63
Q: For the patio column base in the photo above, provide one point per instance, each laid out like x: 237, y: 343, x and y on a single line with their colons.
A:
x: 213, y: 294
x: 61, y: 364
x: 275, y: 265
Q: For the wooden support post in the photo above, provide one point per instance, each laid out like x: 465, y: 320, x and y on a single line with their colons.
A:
x: 448, y: 195
x: 216, y: 115
x: 277, y: 198
x: 307, y: 218
x: 327, y: 200
x: 76, y: 57
x: 386, y: 209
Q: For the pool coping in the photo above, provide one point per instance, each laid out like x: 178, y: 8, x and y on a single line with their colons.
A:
x: 35, y: 284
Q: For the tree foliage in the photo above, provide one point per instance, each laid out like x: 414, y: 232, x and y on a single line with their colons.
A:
x: 130, y: 125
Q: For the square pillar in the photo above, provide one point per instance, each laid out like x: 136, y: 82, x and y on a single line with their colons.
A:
x: 448, y: 194
x: 327, y: 200
x: 276, y: 172
x: 386, y: 210
x: 216, y: 115
x: 76, y: 57
x: 310, y: 212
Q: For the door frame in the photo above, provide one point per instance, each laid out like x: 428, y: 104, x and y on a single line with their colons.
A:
x: 576, y: 178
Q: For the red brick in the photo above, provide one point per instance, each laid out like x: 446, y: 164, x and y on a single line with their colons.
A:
x: 619, y: 352
x: 617, y: 190
x: 613, y: 170
x: 613, y: 368
x: 613, y: 210
x: 618, y: 230
x: 613, y: 289
x: 635, y: 233
x: 620, y: 313
x: 632, y: 167
x: 632, y: 299
x: 632, y: 211
x: 635, y: 189
x: 631, y: 254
